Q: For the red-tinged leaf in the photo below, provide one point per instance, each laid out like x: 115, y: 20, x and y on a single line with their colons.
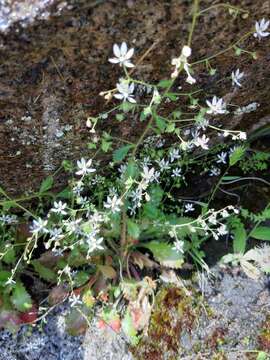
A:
x: 115, y: 325
x: 104, y: 296
x: 29, y: 316
x: 101, y: 324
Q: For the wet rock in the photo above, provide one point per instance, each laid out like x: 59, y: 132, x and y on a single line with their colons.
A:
x: 64, y: 60
x: 24, y: 12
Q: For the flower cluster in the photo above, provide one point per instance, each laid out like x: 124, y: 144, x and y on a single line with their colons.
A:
x: 182, y: 62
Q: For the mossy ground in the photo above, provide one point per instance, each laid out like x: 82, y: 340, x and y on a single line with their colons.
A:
x: 192, y: 327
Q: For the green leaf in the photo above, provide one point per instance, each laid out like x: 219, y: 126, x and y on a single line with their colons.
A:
x: 121, y: 153
x: 105, y: 145
x: 150, y: 211
x: 161, y: 124
x: 262, y: 356
x: 230, y: 178
x: 120, y: 117
x: 10, y: 256
x: 91, y: 146
x: 46, y: 184
x: 176, y: 114
x: 156, y: 195
x: 266, y: 213
x: 20, y: 298
x: 238, y: 51
x: 65, y: 194
x: 129, y: 329
x: 172, y: 96
x: 7, y: 205
x: 4, y: 276
x: 240, y: 237
x: 133, y: 229
x: 164, y: 84
x: 170, y: 127
x: 261, y: 233
x: 237, y: 155
x: 44, y: 272
x: 131, y: 170
x: 68, y: 166
x: 80, y: 278
x: 127, y: 106
x: 165, y: 254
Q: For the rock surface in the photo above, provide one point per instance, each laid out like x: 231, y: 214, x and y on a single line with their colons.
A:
x: 228, y: 320
x: 52, y: 71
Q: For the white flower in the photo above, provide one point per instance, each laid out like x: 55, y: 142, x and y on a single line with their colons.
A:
x: 146, y: 161
x: 189, y: 207
x: 8, y: 219
x: 74, y: 300
x: 222, y: 230
x: 96, y: 218
x: 242, y: 135
x: 216, y: 106
x: 179, y: 246
x: 236, y: 77
x: 222, y: 157
x: 191, y: 80
x: 224, y: 213
x: 39, y: 226
x: 122, y: 55
x: 176, y: 172
x: 202, y: 142
x: 156, y: 97
x: 214, y: 172
x: 56, y: 234
x: 84, y: 167
x: 186, y: 51
x: 213, y: 219
x: 78, y: 188
x: 247, y: 109
x: 182, y: 60
x: 174, y: 155
x: 163, y: 164
x: 125, y: 92
x: 59, y: 208
x: 113, y: 203
x: 10, y: 281
x: 148, y: 174
x: 72, y: 226
x: 95, y: 244
x: 260, y: 27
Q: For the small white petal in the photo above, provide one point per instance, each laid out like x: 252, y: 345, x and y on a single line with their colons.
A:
x: 123, y: 49
x: 116, y: 50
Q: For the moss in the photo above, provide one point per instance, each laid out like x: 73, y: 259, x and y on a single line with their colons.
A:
x: 264, y: 336
x: 219, y: 356
x: 174, y: 312
x: 217, y: 338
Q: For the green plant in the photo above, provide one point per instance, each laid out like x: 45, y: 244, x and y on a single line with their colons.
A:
x: 98, y: 241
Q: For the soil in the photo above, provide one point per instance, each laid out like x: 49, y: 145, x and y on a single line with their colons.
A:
x: 52, y: 71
